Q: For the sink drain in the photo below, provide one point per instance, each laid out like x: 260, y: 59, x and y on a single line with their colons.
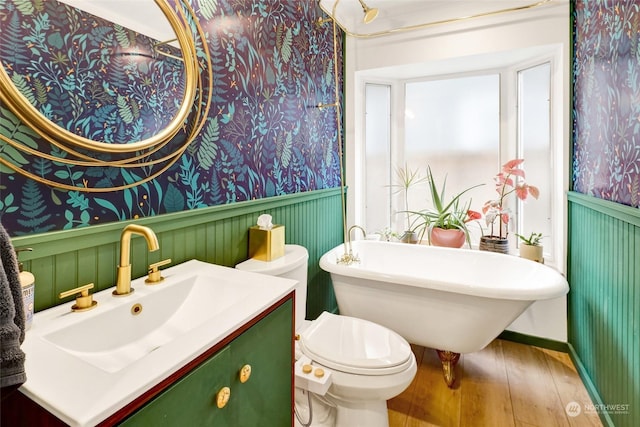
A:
x: 136, y: 309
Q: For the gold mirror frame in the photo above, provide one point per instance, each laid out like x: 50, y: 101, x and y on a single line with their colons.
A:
x: 142, y: 150
x: 31, y: 116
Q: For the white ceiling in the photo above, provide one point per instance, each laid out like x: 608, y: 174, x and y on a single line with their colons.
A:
x: 145, y: 17
x: 395, y: 14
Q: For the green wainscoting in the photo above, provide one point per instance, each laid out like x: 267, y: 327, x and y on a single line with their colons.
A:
x: 604, y: 303
x: 219, y: 234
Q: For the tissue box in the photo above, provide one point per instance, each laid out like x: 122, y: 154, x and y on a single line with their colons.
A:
x: 266, y: 245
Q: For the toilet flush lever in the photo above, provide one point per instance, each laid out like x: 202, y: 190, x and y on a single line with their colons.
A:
x: 310, y: 377
x: 155, y: 275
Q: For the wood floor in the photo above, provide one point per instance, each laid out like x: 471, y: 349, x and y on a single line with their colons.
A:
x: 506, y: 384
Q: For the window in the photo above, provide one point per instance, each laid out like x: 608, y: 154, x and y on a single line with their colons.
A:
x: 378, y: 168
x: 464, y: 128
x: 534, y: 145
x: 453, y: 126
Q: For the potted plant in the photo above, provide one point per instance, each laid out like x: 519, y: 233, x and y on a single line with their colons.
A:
x: 387, y: 234
x: 530, y: 247
x: 509, y: 180
x: 407, y: 178
x: 447, y: 220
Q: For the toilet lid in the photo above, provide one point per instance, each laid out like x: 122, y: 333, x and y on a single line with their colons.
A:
x: 356, y: 346
x: 294, y: 255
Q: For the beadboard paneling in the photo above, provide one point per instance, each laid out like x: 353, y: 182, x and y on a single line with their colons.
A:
x: 219, y: 234
x: 604, y: 301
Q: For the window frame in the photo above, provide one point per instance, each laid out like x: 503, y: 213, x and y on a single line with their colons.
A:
x: 508, y: 76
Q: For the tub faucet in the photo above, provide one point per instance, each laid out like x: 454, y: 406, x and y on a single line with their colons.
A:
x: 123, y: 283
x: 364, y: 233
x: 349, y: 257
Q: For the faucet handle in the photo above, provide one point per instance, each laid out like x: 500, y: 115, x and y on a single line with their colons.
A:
x: 155, y: 275
x: 84, y: 300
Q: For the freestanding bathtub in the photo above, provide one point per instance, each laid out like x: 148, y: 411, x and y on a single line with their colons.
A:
x: 452, y: 300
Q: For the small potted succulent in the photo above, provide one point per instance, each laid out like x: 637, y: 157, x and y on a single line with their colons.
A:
x: 530, y: 247
x: 509, y: 180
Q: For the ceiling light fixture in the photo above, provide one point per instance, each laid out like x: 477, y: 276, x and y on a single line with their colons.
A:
x: 369, y: 14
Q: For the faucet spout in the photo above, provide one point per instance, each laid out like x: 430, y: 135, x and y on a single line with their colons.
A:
x: 123, y: 283
x: 349, y: 257
x: 357, y: 227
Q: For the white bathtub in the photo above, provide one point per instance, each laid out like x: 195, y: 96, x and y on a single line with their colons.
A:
x: 456, y: 300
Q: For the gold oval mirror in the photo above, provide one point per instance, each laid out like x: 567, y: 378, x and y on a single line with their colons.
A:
x: 41, y: 120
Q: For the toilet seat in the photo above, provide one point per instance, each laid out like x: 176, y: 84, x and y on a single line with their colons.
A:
x: 355, y: 346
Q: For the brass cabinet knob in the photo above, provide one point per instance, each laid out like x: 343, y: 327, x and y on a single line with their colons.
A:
x: 222, y: 397
x: 245, y: 373
x: 84, y: 300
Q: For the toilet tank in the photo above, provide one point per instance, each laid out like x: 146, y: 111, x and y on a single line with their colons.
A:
x: 292, y: 265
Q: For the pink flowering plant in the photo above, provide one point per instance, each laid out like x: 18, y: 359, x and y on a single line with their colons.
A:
x: 511, y: 179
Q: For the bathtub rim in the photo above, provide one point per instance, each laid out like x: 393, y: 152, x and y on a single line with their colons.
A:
x: 557, y: 286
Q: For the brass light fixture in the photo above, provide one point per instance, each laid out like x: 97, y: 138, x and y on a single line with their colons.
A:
x: 369, y: 13
x: 321, y: 21
x: 372, y: 13
x: 322, y: 106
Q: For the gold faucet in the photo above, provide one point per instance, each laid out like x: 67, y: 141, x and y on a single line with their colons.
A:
x: 357, y: 227
x: 349, y: 257
x: 123, y: 284
x: 84, y: 300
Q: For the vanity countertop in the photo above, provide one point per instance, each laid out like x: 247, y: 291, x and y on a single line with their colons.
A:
x: 84, y: 383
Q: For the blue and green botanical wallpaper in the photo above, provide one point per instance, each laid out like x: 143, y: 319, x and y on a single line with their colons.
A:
x: 263, y: 136
x: 606, y: 107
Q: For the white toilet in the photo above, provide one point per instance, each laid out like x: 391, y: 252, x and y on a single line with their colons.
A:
x: 367, y: 364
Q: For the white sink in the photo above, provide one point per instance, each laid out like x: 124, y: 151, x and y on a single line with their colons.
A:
x: 113, y: 353
x: 145, y: 322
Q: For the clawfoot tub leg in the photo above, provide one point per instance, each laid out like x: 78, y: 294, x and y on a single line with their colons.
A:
x: 449, y: 360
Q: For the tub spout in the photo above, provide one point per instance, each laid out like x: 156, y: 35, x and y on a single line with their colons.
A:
x: 123, y: 283
x: 349, y: 257
x: 357, y: 227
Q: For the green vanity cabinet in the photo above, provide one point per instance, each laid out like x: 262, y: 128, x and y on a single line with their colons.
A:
x: 264, y: 399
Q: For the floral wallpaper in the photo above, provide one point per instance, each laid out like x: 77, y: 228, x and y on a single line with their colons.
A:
x: 263, y: 136
x: 606, y: 109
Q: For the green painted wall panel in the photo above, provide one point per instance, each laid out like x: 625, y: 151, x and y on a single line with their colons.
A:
x: 604, y: 301
x: 219, y: 234
x: 87, y: 265
x: 45, y: 276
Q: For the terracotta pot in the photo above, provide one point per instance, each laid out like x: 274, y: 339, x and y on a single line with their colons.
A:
x: 532, y: 252
x: 494, y: 244
x: 452, y: 238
